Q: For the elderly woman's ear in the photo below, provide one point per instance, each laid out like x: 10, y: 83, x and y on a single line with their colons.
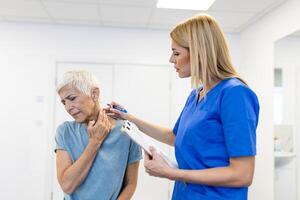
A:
x: 95, y: 93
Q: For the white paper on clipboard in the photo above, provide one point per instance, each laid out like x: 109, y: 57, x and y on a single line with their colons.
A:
x: 138, y: 136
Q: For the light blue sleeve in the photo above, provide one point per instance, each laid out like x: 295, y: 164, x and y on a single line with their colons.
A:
x: 59, y: 138
x: 135, y: 153
x: 239, y: 115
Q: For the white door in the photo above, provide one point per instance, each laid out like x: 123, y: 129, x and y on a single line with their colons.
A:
x: 145, y: 92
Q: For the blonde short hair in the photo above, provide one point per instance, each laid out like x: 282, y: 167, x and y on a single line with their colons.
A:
x: 209, y: 52
x: 84, y: 81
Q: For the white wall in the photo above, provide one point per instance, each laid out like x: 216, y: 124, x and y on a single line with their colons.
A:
x: 286, y: 52
x: 29, y: 53
x: 257, y: 63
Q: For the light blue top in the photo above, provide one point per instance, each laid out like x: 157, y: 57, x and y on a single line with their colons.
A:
x: 106, y: 175
x: 210, y: 132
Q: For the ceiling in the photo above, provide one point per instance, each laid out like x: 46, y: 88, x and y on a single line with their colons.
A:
x: 233, y: 15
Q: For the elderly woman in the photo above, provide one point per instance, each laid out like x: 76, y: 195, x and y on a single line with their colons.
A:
x: 93, y: 159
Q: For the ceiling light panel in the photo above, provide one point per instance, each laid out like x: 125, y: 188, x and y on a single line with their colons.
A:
x: 185, y: 4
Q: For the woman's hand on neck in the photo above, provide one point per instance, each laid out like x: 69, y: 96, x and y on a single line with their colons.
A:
x: 96, y: 113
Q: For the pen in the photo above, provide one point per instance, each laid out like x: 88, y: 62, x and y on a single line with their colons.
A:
x: 118, y: 108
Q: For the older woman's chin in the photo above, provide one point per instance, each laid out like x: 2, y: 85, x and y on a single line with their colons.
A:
x: 80, y: 120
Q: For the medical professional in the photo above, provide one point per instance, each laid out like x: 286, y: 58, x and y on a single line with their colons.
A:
x: 94, y: 160
x: 215, y: 134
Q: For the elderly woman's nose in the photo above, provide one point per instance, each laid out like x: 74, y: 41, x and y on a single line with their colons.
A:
x: 68, y: 106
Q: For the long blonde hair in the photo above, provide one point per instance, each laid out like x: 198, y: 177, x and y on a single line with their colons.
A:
x: 209, y: 54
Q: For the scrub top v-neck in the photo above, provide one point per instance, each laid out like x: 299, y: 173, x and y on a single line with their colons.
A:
x: 209, y: 132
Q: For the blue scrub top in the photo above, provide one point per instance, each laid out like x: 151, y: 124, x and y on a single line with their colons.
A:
x: 209, y: 132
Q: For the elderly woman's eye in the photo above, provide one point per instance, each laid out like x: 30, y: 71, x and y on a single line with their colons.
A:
x: 72, y: 98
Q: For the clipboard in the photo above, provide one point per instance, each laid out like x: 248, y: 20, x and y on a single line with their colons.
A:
x: 139, y: 137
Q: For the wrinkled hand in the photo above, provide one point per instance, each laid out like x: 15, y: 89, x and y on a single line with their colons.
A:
x: 155, y: 165
x: 99, y: 130
x: 114, y: 113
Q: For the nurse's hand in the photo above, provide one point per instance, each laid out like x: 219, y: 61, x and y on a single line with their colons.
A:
x: 155, y: 165
x: 115, y: 113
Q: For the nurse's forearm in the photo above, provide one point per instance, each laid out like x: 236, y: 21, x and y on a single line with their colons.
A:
x: 162, y: 134
x: 238, y: 174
